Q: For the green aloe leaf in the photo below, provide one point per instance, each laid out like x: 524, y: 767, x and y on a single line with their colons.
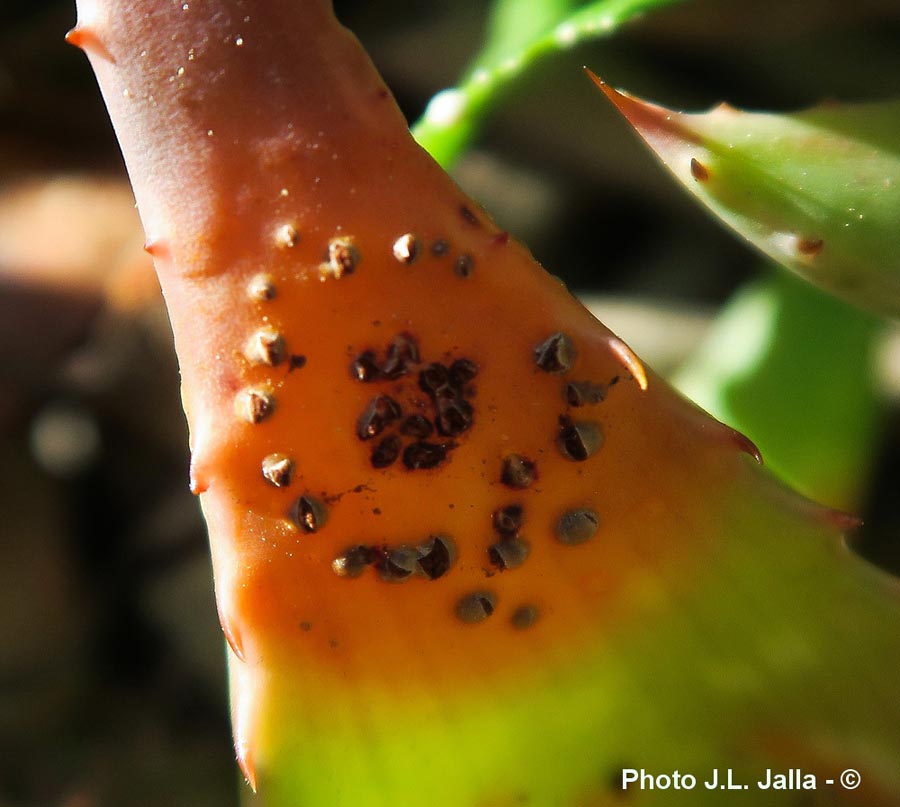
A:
x: 818, y: 191
x: 792, y: 368
x: 520, y: 33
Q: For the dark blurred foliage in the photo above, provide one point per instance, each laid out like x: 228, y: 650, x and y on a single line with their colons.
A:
x: 112, y: 682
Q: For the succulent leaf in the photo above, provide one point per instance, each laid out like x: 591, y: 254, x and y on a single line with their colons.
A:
x: 817, y: 191
x: 468, y: 549
x: 793, y: 368
x: 520, y: 33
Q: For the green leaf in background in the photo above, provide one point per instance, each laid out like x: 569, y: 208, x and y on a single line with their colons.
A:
x: 818, y: 191
x: 520, y: 33
x: 792, y: 368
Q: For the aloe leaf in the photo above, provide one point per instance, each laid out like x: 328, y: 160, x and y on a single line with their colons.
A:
x: 817, y: 191
x: 792, y: 368
x: 520, y: 33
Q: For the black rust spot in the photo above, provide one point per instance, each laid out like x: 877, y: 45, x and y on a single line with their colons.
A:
x: 436, y: 556
x: 508, y: 553
x: 476, y: 607
x: 417, y: 426
x: 584, y: 393
x: 525, y: 616
x: 556, y: 354
x: 464, y: 266
x: 518, y: 472
x: 278, y: 470
x: 422, y: 455
x: 468, y: 216
x: 507, y: 521
x: 577, y: 526
x: 385, y: 453
x: 309, y: 514
x: 365, y: 367
x: 578, y: 439
x: 402, y: 354
x: 440, y: 248
x: 380, y: 412
x: 353, y: 562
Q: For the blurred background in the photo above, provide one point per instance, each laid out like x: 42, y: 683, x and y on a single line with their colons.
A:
x: 112, y: 684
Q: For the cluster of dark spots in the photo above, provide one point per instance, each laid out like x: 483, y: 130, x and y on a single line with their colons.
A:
x: 422, y: 455
x: 278, y: 470
x: 309, y: 514
x: 446, y: 388
x: 584, y: 393
x: 518, y: 472
x: 578, y: 439
x: 507, y: 520
x: 431, y: 559
x: 556, y: 354
x: 524, y: 617
x: 296, y: 361
x: 386, y: 451
x: 353, y: 562
x: 468, y: 216
x: 577, y: 526
x: 698, y: 170
x: 255, y: 405
x: 440, y: 248
x: 476, y: 607
x: 508, y: 553
x: 380, y: 413
x: 464, y: 265
x: 416, y: 426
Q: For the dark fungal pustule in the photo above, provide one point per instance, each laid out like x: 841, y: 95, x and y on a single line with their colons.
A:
x: 353, y: 562
x: 365, y: 367
x: 517, y: 472
x: 402, y: 354
x: 278, y: 470
x: 507, y: 521
x: 454, y: 417
x: 578, y: 439
x: 255, y: 405
x: 262, y: 288
x: 440, y: 248
x: 464, y: 266
x: 433, y: 378
x: 556, y: 354
x: 417, y: 426
x: 508, y: 553
x: 379, y: 413
x: 422, y: 455
x: 584, y: 393
x: 476, y: 607
x: 398, y: 564
x: 386, y: 451
x: 296, y: 361
x: 436, y: 556
x: 577, y: 526
x: 524, y: 617
x: 309, y: 514
x: 462, y: 371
